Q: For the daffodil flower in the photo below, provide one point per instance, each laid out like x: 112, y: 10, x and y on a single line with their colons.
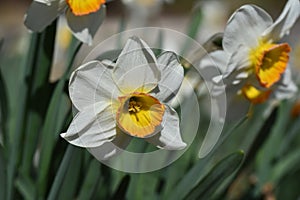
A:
x: 83, y: 17
x: 256, y: 64
x: 126, y: 99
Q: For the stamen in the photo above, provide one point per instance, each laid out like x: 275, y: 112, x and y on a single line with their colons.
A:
x: 139, y: 114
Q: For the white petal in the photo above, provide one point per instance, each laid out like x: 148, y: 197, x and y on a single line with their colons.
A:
x: 40, y: 15
x: 171, y: 76
x: 84, y: 27
x: 238, y: 66
x: 286, y: 88
x: 113, y: 148
x: 239, y: 61
x: 169, y: 138
x: 47, y: 2
x: 245, y: 27
x: 92, y: 126
x: 108, y: 63
x: 136, y: 67
x: 213, y: 64
x: 284, y: 22
x: 91, y: 83
x: 190, y: 81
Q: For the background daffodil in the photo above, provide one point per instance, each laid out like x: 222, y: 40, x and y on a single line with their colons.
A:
x: 83, y: 17
x: 126, y: 99
x: 255, y: 64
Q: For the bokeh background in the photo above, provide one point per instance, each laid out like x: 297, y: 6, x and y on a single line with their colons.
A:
x: 256, y: 158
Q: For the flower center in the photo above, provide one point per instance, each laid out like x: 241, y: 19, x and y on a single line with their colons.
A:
x: 254, y: 95
x: 140, y: 114
x: 84, y: 7
x: 270, y: 61
x: 134, y: 105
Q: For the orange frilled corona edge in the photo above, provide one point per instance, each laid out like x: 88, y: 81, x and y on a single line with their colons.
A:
x: 84, y: 7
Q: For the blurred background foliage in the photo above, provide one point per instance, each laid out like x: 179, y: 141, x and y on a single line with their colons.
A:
x: 257, y: 157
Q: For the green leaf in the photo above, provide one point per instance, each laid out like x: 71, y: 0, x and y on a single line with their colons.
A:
x: 16, y: 125
x: 2, y: 173
x: 120, y: 193
x: 266, y: 155
x: 261, y: 137
x: 193, y: 27
x: 91, y: 181
x: 57, y: 114
x: 190, y: 180
x: 26, y: 187
x: 70, y: 153
x: 219, y: 173
x: 292, y: 133
x: 3, y: 110
x: 39, y: 91
x: 55, y: 119
x: 72, y: 179
x: 288, y: 164
x: 141, y: 184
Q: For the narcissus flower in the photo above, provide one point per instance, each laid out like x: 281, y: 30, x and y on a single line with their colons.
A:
x: 83, y: 17
x: 130, y: 96
x: 256, y: 64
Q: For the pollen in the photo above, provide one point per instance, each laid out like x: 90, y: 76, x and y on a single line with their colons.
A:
x: 84, y: 7
x: 140, y: 114
x: 270, y: 62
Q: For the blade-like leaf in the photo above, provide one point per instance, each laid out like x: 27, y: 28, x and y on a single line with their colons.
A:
x: 3, y: 109
x: 54, y: 122
x: 190, y: 180
x: 71, y: 152
x: 26, y: 187
x: 39, y: 92
x: 71, y: 180
x: 289, y: 163
x: 210, y: 183
x: 267, y: 155
x: 193, y: 27
x: 120, y: 193
x: 16, y: 126
x: 91, y: 181
x: 2, y: 174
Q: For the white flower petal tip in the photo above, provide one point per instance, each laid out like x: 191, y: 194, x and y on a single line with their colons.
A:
x: 169, y: 138
x: 85, y: 27
x: 44, y: 12
x: 92, y: 127
x: 171, y: 70
x: 113, y: 148
x: 136, y: 67
x: 244, y: 27
x: 284, y: 22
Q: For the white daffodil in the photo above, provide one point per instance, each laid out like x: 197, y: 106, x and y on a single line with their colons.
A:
x: 83, y: 17
x: 256, y: 65
x: 130, y: 96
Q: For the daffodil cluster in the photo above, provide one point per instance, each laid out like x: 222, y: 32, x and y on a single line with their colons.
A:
x: 255, y: 62
x: 128, y: 98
